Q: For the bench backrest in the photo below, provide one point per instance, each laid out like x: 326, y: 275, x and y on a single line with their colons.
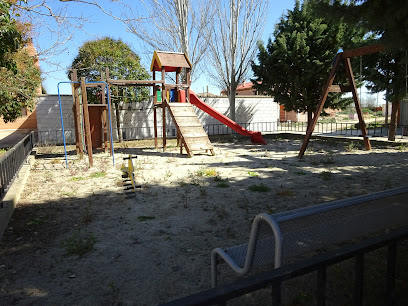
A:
x: 322, y: 226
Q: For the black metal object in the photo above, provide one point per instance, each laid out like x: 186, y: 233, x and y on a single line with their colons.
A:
x: 12, y: 160
x: 318, y: 263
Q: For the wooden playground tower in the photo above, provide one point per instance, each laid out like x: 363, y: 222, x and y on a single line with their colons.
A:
x: 90, y: 120
x: 91, y: 126
x: 342, y: 57
x: 174, y: 98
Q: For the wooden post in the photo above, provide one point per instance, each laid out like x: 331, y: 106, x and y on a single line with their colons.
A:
x: 179, y: 142
x: 319, y: 109
x: 109, y: 127
x: 156, y: 145
x: 86, y: 119
x: 350, y: 76
x: 164, y: 104
x: 188, y: 84
x: 77, y: 114
x: 104, y: 123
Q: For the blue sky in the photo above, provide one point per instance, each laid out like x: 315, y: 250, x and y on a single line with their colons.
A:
x: 101, y: 25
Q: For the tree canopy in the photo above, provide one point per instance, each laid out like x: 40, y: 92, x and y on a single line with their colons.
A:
x: 387, y: 19
x: 19, y: 78
x: 295, y: 64
x: 123, y: 63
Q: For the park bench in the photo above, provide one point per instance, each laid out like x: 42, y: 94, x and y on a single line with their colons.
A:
x: 279, y: 238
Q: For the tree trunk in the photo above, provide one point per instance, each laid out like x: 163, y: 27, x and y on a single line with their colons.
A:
x: 117, y: 113
x: 232, y: 103
x: 309, y: 118
x: 393, y: 122
x: 386, y: 112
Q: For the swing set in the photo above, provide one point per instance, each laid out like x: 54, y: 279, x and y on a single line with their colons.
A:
x: 342, y: 57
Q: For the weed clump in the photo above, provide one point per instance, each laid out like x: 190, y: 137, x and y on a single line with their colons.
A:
x: 79, y: 243
x: 259, y: 188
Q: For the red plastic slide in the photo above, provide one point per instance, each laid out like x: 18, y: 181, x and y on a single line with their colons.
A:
x: 256, y: 137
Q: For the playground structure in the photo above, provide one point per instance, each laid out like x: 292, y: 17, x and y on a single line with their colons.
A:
x: 344, y: 57
x: 91, y: 127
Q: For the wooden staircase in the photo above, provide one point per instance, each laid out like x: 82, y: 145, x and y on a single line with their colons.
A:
x: 193, y: 136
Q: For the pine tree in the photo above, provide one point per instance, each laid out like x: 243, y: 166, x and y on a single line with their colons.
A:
x: 387, y: 19
x: 386, y: 71
x: 295, y: 64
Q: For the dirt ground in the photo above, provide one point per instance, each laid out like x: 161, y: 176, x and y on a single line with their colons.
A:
x: 78, y: 236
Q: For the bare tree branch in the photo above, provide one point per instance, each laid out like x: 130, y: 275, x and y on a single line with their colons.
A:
x: 238, y: 26
x: 174, y: 25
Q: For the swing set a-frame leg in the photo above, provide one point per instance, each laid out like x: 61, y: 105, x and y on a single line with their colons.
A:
x: 320, y: 106
x: 363, y: 128
x: 326, y: 90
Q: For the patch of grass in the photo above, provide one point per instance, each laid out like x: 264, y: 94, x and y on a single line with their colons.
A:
x: 219, y: 179
x: 328, y: 160
x: 37, y: 221
x: 270, y: 210
x: 259, y: 188
x: 54, y: 161
x: 168, y: 173
x: 301, y: 172
x: 145, y: 218
x: 211, y: 172
x: 253, y: 174
x: 77, y: 178
x: 98, y: 174
x: 202, y: 190
x: 303, y: 298
x: 284, y: 193
x: 222, y: 185
x: 87, y: 217
x: 387, y: 183
x: 350, y: 147
x: 326, y: 175
x: 3, y: 150
x: 401, y: 147
x: 69, y: 194
x: 79, y: 243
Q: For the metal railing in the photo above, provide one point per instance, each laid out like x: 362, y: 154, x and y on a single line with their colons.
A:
x: 12, y: 160
x: 54, y: 136
x: 320, y: 263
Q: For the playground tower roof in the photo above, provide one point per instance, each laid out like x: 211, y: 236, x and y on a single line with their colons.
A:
x: 170, y: 60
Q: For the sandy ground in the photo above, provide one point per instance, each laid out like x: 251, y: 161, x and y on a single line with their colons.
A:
x: 154, y: 245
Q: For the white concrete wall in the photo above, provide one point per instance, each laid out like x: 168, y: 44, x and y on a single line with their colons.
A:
x: 138, y: 123
x: 49, y: 119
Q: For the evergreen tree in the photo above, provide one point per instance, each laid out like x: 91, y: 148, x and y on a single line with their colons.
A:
x: 123, y: 63
x: 387, y: 19
x: 386, y: 71
x: 294, y: 66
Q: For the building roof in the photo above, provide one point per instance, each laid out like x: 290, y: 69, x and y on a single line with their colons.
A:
x: 241, y: 87
x: 170, y: 60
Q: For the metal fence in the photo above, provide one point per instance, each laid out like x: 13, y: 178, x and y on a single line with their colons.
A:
x: 12, y: 160
x: 136, y: 133
x: 320, y: 263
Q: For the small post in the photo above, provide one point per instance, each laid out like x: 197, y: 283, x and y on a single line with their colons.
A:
x: 87, y: 124
x: 359, y: 279
x: 156, y: 145
x: 321, y: 286
x: 110, y: 128
x: 164, y: 99
x: 391, y: 267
